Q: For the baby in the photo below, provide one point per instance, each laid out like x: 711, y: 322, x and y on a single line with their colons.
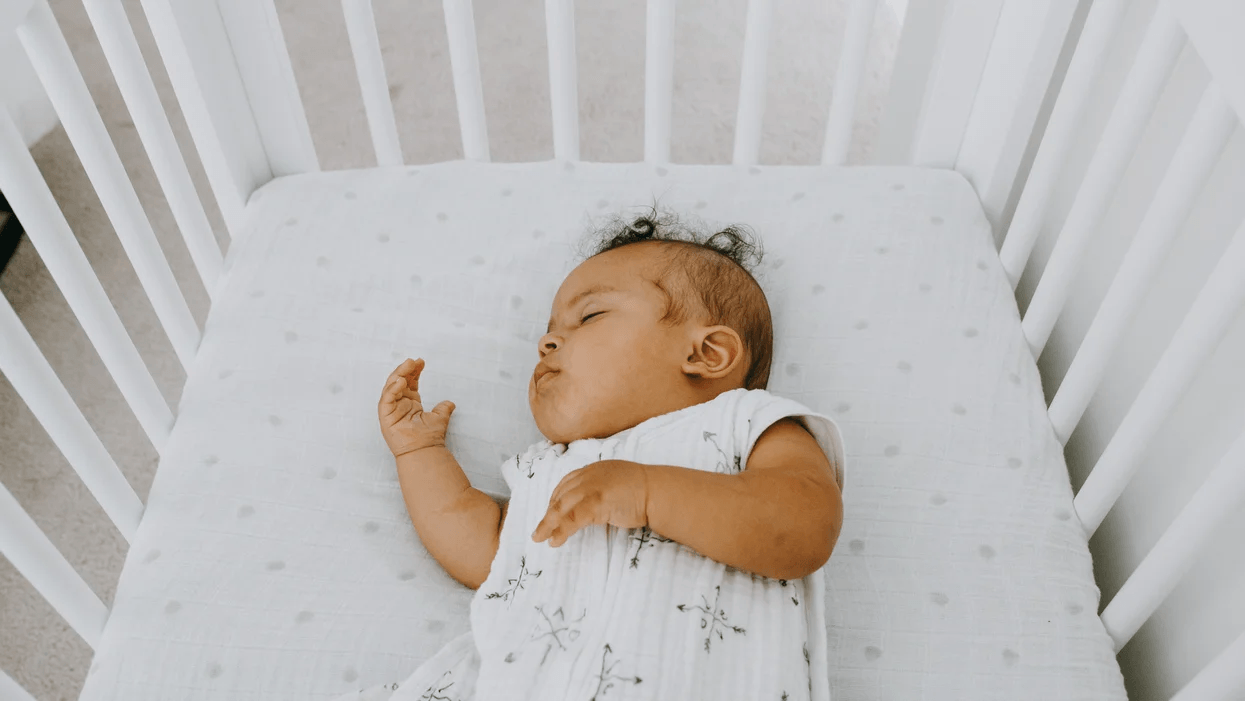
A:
x: 662, y: 449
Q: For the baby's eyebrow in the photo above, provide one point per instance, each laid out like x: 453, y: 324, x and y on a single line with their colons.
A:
x: 595, y: 289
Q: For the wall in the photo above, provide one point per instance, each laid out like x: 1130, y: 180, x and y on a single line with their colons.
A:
x: 1206, y: 611
x: 22, y: 93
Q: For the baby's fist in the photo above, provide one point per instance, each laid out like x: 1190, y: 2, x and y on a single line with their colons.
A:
x: 403, y: 421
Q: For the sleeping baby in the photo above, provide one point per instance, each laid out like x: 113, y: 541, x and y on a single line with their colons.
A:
x: 666, y: 539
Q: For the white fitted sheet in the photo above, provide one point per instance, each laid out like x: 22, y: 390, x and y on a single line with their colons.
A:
x: 276, y: 560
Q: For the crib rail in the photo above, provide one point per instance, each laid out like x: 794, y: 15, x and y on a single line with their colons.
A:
x: 969, y: 82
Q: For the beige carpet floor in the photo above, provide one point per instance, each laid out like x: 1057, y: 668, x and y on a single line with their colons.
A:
x: 37, y: 648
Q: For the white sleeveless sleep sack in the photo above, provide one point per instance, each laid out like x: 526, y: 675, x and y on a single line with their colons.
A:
x: 626, y: 614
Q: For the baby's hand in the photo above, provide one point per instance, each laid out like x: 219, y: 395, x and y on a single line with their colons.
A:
x: 403, y: 421
x: 608, y: 491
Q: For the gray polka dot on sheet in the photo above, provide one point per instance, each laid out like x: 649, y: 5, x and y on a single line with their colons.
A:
x: 904, y: 366
x: 1014, y: 462
x: 936, y: 221
x: 507, y: 192
x: 413, y: 171
x: 322, y: 262
x: 959, y: 409
x: 861, y: 324
x: 939, y: 598
x: 328, y: 473
x: 509, y: 657
x: 602, y: 204
x: 246, y: 510
x: 406, y: 575
x: 1063, y: 515
x: 350, y: 195
x: 434, y: 626
x: 818, y: 289
x: 349, y: 674
x: 924, y: 287
x: 793, y: 369
x: 211, y: 460
x: 568, y: 166
x: 416, y: 281
x: 383, y: 238
x: 753, y: 170
x: 304, y: 616
x: 662, y: 172
x: 291, y: 221
x: 256, y: 294
x: 335, y: 388
x: 1074, y: 608
x: 898, y: 186
x: 225, y: 373
x: 371, y: 527
x: 537, y: 233
x: 459, y: 324
x: 970, y: 332
x: 938, y: 499
x: 837, y: 217
x: 357, y: 310
x: 276, y: 566
x: 986, y: 551
x: 1014, y: 378
x: 214, y: 670
x: 857, y: 546
x: 172, y: 607
x: 1010, y: 656
x: 881, y: 250
x: 872, y: 653
x: 477, y: 260
x: 797, y: 197
x: 151, y: 557
x: 274, y: 419
x: 842, y: 407
x: 891, y: 451
x: 442, y: 216
x: 504, y: 375
x: 290, y: 337
x: 777, y: 264
x: 981, y: 265
x: 701, y: 204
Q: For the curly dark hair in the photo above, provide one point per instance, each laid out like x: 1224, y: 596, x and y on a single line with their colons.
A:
x: 715, y: 268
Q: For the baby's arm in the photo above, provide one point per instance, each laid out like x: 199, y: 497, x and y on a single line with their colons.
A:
x: 457, y: 523
x: 780, y: 517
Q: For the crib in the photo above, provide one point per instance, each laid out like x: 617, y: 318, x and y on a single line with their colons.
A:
x: 274, y: 558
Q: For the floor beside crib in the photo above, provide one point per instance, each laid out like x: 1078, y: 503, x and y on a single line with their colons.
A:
x: 276, y: 560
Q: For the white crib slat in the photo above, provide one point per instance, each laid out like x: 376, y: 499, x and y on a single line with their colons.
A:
x: 11, y: 690
x: 1222, y: 679
x: 370, y: 66
x: 47, y: 229
x: 1203, y: 141
x: 263, y: 62
x: 1065, y: 120
x: 120, y: 47
x: 847, y: 76
x: 50, y: 55
x: 658, y: 79
x: 1204, y: 325
x: 38, y: 560
x: 563, y: 78
x: 1023, y: 54
x: 1219, y: 496
x: 1138, y: 97
x: 465, y: 63
x: 36, y: 383
x: 751, y: 109
x: 953, y: 81
x: 213, y: 100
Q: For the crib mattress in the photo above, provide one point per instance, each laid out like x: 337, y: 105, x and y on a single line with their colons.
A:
x: 276, y: 560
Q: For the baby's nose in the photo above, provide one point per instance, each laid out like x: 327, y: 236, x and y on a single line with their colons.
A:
x: 548, y: 343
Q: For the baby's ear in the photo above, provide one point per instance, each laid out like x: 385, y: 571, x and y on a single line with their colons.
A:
x: 717, y: 352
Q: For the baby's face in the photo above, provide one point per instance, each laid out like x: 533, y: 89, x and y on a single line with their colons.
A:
x: 608, y: 362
